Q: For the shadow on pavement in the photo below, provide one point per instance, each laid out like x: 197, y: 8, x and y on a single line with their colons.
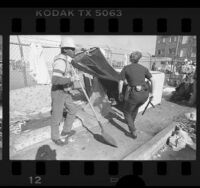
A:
x: 112, y: 122
x: 98, y: 137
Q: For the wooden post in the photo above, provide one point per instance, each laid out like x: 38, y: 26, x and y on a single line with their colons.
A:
x: 23, y: 61
x: 176, y: 54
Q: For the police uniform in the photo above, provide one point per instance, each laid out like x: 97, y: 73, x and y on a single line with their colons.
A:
x: 137, y: 91
x: 61, y: 98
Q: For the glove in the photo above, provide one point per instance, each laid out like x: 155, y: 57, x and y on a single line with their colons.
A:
x: 121, y: 97
x: 69, y: 59
x: 75, y: 78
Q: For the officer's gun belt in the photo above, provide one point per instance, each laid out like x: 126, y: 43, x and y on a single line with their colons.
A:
x: 61, y: 87
x: 139, y: 88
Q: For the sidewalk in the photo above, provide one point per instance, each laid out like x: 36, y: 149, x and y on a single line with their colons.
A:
x: 85, y: 146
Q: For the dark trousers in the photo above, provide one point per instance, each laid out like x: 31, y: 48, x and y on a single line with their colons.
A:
x: 61, y: 100
x: 131, y: 106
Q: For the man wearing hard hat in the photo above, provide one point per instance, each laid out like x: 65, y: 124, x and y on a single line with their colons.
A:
x: 62, y: 81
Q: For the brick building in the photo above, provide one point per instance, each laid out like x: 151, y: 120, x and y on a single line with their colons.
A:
x: 178, y: 48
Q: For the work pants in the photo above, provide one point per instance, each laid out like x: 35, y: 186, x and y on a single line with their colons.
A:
x: 132, y: 103
x: 61, y: 100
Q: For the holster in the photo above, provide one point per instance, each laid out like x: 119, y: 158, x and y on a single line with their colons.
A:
x: 127, y: 93
x: 148, y: 85
x: 142, y: 87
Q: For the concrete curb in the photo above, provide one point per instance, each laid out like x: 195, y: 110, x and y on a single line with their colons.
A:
x: 152, y: 146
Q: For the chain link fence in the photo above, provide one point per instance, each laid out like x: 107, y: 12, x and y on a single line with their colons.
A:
x: 19, y: 58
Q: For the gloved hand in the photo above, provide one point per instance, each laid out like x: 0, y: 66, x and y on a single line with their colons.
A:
x: 69, y: 59
x: 75, y: 78
x: 121, y: 97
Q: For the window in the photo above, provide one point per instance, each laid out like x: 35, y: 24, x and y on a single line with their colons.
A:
x: 194, y: 41
x: 163, y: 52
x: 193, y: 53
x: 183, y: 52
x: 172, y: 51
x: 170, y: 39
x: 185, y: 39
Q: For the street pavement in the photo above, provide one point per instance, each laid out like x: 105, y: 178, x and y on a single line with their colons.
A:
x: 87, y: 144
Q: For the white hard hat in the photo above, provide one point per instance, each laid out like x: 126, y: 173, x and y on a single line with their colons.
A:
x: 67, y: 42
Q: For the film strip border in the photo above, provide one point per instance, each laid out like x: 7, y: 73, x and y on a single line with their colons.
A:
x: 106, y: 173
x: 113, y: 25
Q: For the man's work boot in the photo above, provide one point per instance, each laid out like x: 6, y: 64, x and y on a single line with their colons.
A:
x: 59, y: 142
x: 133, y: 134
x: 68, y: 134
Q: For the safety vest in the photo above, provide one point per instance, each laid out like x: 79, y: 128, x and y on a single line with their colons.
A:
x: 61, y: 67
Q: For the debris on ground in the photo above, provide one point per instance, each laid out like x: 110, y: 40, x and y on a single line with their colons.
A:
x: 192, y: 116
x: 167, y: 91
x: 188, y: 125
x: 71, y: 139
x: 184, y: 133
x: 16, y: 127
x: 179, y: 140
x: 159, y: 153
x: 185, y: 90
x: 182, y: 93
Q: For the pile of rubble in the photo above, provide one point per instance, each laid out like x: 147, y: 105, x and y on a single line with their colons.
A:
x: 186, y: 90
x: 158, y: 154
x: 184, y: 133
x: 183, y: 92
x: 16, y: 127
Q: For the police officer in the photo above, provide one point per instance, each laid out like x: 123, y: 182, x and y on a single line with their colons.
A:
x: 62, y: 80
x: 137, y: 91
x: 153, y: 68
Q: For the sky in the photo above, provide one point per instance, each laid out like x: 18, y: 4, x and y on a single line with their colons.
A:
x: 128, y: 43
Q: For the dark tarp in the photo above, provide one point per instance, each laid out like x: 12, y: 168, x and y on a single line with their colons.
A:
x: 93, y: 62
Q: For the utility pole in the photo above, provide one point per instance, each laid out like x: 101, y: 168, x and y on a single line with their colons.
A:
x: 22, y: 61
x: 176, y: 53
